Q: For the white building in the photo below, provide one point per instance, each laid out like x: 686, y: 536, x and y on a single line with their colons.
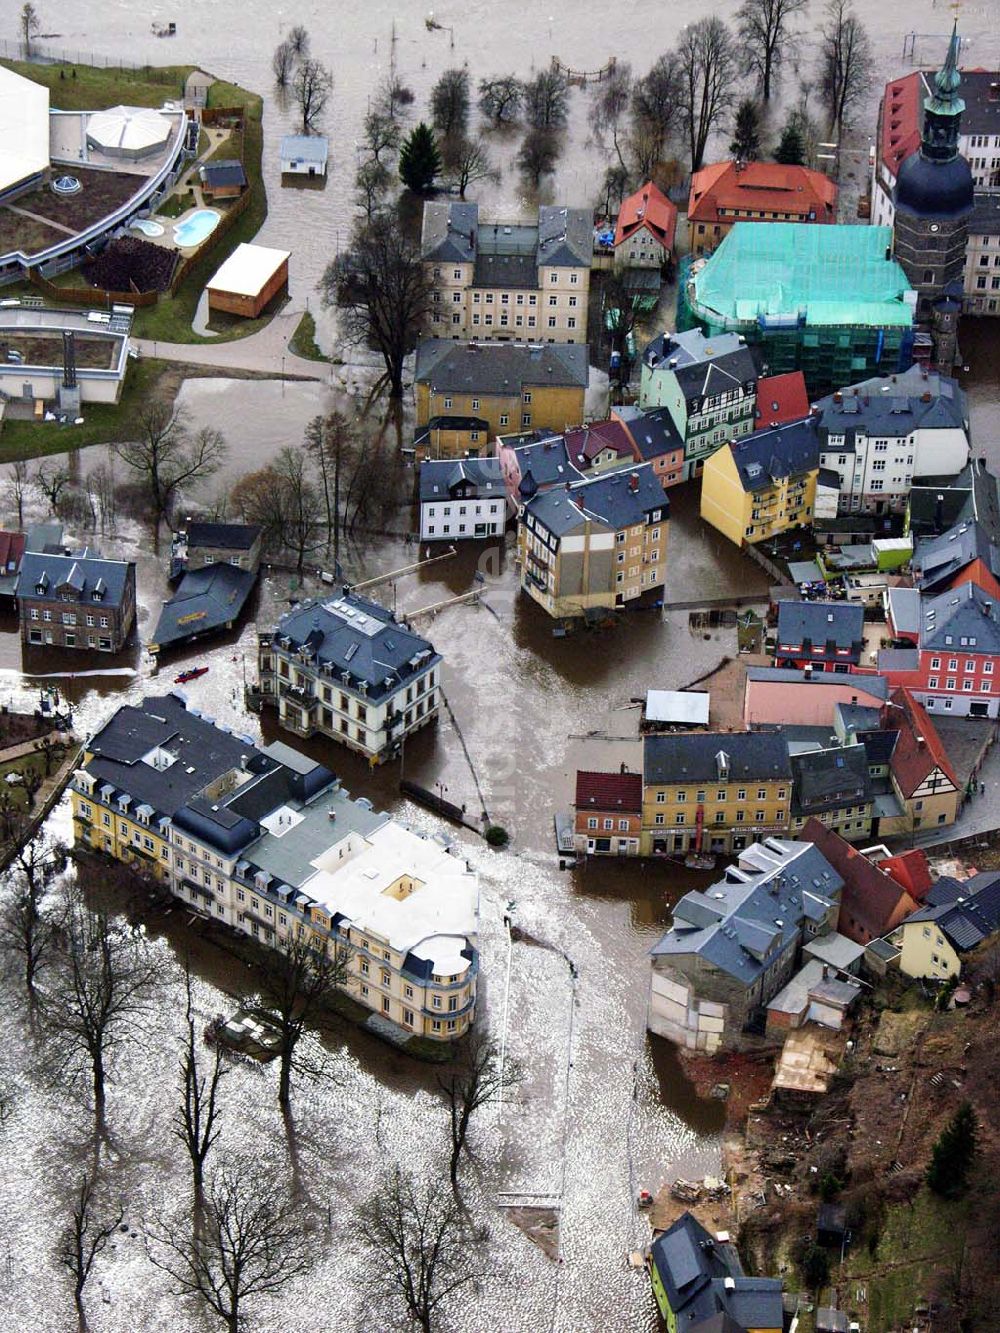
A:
x: 348, y: 669
x: 24, y: 115
x: 461, y: 498
x: 304, y: 155
x: 882, y: 433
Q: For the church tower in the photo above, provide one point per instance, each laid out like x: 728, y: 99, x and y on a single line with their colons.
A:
x: 934, y: 199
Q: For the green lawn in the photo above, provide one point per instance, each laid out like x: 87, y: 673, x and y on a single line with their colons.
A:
x: 303, y: 340
x: 170, y: 319
x: 31, y: 761
x: 104, y: 423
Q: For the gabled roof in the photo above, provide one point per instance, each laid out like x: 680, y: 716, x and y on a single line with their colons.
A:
x: 449, y: 232
x: 11, y: 551
x: 222, y: 172
x: 84, y: 573
x: 584, y: 443
x: 918, y: 750
x: 224, y: 536
x: 648, y: 208
x: 910, y: 870
x: 966, y: 911
x: 780, y: 399
x: 895, y: 405
x: 565, y: 236
x: 439, y: 476
x: 937, y: 559
x: 617, y: 499
x: 702, y: 366
x: 653, y: 432
x: 819, y: 623
x: 695, y: 757
x: 499, y: 368
x: 723, y: 190
x: 830, y: 779
x: 543, y: 462
x: 304, y: 147
x: 962, y: 619
x: 770, y: 455
x: 871, y: 899
x: 207, y: 599
x: 609, y: 791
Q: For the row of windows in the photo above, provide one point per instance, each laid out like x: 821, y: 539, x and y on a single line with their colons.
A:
x: 720, y: 795
x: 69, y: 618
x: 720, y: 817
x: 970, y: 663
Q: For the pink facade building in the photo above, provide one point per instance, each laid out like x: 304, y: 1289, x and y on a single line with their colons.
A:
x: 805, y: 698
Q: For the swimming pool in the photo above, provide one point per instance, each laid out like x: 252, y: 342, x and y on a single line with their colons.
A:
x: 194, y: 229
x: 147, y: 227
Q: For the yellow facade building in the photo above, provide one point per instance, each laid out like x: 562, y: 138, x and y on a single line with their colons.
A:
x: 468, y: 393
x: 713, y: 792
x: 764, y: 484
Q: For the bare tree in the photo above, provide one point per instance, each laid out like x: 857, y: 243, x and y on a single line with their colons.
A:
x: 104, y: 982
x: 469, y: 161
x: 421, y: 1250
x: 545, y: 100
x: 17, y: 487
x: 475, y: 1077
x: 282, y: 64
x: 301, y: 509
x: 330, y: 441
x: 371, y: 185
x: 610, y: 106
x: 845, y: 62
x: 196, y: 1121
x: 30, y: 25
x: 393, y: 98
x: 311, y: 88
x: 298, y: 982
x: 52, y: 478
x: 614, y: 185
x: 251, y: 1245
x: 298, y: 40
x: 29, y: 926
x: 538, y: 155
x: 382, y: 291
x: 500, y: 99
x: 256, y: 497
x: 706, y: 58
x: 166, y: 456
x: 85, y: 1237
x: 655, y: 108
x: 102, y: 489
x: 450, y: 103
x: 764, y: 37
x: 381, y: 135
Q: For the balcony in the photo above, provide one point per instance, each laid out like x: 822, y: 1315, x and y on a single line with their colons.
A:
x: 302, y: 698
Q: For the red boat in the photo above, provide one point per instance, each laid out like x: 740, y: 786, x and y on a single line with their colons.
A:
x: 192, y: 674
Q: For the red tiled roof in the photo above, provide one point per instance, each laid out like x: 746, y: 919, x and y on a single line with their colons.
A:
x: 780, y: 399
x: 918, y: 749
x: 900, y: 119
x: 11, y: 549
x: 649, y: 207
x: 910, y: 869
x: 609, y: 791
x: 588, y: 441
x: 978, y: 572
x: 871, y: 902
x: 768, y: 187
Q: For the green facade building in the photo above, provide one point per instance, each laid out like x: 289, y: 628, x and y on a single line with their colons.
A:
x: 829, y: 301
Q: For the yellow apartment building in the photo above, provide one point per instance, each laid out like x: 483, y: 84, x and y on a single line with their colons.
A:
x: 713, y: 792
x: 468, y: 393
x: 764, y: 484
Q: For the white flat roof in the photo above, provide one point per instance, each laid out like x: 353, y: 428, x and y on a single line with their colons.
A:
x: 435, y: 920
x: 248, y: 270
x: 689, y: 706
x: 24, y: 116
x: 133, y: 128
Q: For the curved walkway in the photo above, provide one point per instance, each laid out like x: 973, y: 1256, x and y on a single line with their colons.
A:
x: 264, y: 353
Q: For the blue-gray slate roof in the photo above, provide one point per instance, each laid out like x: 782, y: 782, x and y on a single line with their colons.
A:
x: 820, y: 623
x: 894, y: 405
x: 482, y: 478
x: 707, y: 756
x: 207, y: 599
x: 703, y: 366
x: 224, y: 536
x: 965, y: 911
x: 617, y: 499
x: 770, y: 455
x: 358, y: 637
x: 304, y: 148
x: 42, y: 575
x: 937, y: 558
x: 830, y: 779
x: 963, y: 619
x: 223, y: 172
x: 653, y: 431
x: 499, y: 368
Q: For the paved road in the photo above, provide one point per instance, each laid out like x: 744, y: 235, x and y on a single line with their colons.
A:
x: 980, y: 814
x: 265, y: 352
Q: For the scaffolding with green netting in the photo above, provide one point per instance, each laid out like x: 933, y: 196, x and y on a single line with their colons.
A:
x: 827, y: 300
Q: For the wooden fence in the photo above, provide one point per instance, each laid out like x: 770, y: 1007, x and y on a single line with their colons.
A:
x: 91, y: 296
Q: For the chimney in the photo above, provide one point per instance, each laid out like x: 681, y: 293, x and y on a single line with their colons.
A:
x: 920, y: 741
x: 633, y: 482
x: 994, y: 93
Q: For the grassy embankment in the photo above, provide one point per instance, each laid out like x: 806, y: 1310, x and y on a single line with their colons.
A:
x: 303, y: 340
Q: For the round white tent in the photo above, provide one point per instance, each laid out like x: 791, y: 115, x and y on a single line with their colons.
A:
x: 131, y: 132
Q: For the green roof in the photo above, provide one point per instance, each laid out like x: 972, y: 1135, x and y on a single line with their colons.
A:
x: 779, y: 272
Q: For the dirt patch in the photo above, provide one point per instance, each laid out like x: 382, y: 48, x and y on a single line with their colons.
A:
x: 540, y: 1225
x: 91, y: 352
x: 16, y: 728
x: 747, y: 1074
x: 25, y: 234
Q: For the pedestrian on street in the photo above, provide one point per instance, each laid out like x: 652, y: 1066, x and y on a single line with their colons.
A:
x: 982, y: 789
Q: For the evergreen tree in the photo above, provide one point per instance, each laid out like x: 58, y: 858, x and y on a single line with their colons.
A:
x: 419, y: 159
x: 746, y: 132
x: 953, y: 1154
x: 791, y: 148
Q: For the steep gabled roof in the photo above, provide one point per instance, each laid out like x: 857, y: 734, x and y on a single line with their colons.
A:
x: 962, y: 619
x: 871, y: 901
x: 648, y: 208
x: 820, y: 622
x: 918, y: 750
x: 584, y: 443
x: 609, y: 791
x: 724, y: 190
x: 770, y: 455
x: 780, y: 399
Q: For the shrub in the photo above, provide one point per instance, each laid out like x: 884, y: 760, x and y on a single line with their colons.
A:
x: 497, y: 836
x: 130, y: 264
